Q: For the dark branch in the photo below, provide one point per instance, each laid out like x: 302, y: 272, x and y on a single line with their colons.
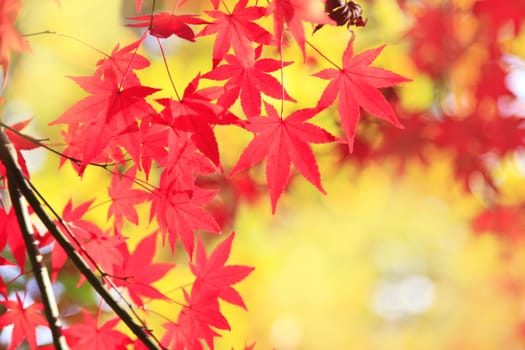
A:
x: 18, y: 180
x: 31, y: 243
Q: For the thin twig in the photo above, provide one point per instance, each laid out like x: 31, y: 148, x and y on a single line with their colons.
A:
x: 52, y: 150
x: 105, y: 166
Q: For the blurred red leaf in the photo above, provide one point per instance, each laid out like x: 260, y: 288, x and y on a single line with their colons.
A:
x: 503, y: 220
x: 10, y: 38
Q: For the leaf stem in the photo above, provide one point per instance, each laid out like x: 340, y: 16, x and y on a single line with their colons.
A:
x: 52, y: 150
x: 168, y: 69
x: 180, y: 287
x: 226, y: 7
x: 151, y: 14
x: 128, y: 67
x: 323, y: 55
x: 68, y: 37
x: 165, y: 317
x: 282, y: 78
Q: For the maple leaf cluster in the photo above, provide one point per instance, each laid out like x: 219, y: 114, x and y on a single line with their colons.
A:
x: 161, y: 151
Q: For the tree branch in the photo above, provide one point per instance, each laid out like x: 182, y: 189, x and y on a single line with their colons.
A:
x: 17, y: 177
x: 39, y: 269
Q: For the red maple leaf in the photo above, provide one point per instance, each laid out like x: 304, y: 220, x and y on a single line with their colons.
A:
x: 180, y: 336
x: 356, y: 84
x: 184, y: 162
x: 164, y: 25
x: 103, y: 249
x: 24, y: 321
x: 202, y: 313
x: 153, y: 144
x: 123, y: 61
x: 20, y: 143
x: 236, y: 30
x: 196, y: 114
x: 283, y: 142
x: 100, y: 246
x: 180, y: 212
x: 205, y: 308
x: 107, y: 112
x: 137, y: 272
x: 248, y: 80
x: 124, y: 198
x: 213, y: 281
x: 212, y: 274
x: 10, y: 234
x: 202, y: 134
x: 193, y: 324
x: 88, y: 335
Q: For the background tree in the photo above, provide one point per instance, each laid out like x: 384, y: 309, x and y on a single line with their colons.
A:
x: 202, y: 109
